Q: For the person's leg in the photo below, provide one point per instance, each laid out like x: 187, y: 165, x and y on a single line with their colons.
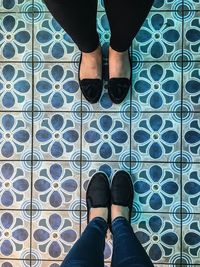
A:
x: 125, y: 19
x: 88, y: 250
x: 127, y: 250
x: 78, y: 19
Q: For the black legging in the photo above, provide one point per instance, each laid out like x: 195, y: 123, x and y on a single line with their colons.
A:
x: 78, y: 19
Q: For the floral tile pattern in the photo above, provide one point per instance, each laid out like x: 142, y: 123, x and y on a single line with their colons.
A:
x: 52, y: 140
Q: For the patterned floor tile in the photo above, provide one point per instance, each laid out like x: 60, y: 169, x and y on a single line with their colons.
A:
x: 106, y: 136
x: 160, y: 236
x: 191, y: 90
x: 191, y: 138
x: 15, y: 87
x: 56, y: 136
x: 14, y: 263
x: 191, y: 240
x: 54, y: 233
x: 191, y: 35
x: 191, y: 188
x: 56, y: 87
x: 157, y: 189
x: 16, y: 5
x: 15, y: 234
x: 159, y: 39
x: 156, y: 137
x: 56, y: 186
x: 15, y: 135
x: 15, y: 185
x: 15, y: 36
x: 156, y: 87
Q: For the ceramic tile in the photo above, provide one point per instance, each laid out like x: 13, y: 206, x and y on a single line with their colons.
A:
x: 15, y: 87
x: 15, y: 135
x: 156, y: 87
x: 160, y: 38
x: 191, y: 92
x: 191, y: 233
x: 16, y: 6
x: 157, y: 189
x: 156, y: 137
x: 15, y: 36
x: 106, y: 136
x: 15, y: 234
x: 56, y: 186
x: 191, y: 35
x: 160, y: 236
x: 56, y: 135
x: 54, y: 233
x: 15, y: 185
x: 191, y: 188
x: 191, y: 144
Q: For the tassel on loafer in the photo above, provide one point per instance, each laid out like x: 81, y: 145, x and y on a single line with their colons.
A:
x: 91, y: 88
x: 118, y: 87
x: 98, y: 193
x: 122, y: 190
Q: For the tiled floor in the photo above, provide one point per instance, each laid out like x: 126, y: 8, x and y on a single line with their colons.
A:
x: 52, y: 140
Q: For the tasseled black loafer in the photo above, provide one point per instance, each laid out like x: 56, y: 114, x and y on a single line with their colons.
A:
x: 91, y: 88
x: 98, y: 193
x: 122, y: 190
x: 118, y: 87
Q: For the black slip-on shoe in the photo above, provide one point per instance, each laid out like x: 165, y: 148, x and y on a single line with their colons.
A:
x: 122, y: 190
x: 98, y: 193
x: 91, y: 88
x: 118, y: 87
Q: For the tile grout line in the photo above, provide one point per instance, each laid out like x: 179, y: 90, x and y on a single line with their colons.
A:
x: 81, y: 162
x: 181, y: 142
x: 32, y: 143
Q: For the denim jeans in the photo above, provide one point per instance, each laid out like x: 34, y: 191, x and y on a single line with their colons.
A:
x: 88, y: 250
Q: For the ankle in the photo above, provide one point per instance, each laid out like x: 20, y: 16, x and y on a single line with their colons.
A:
x: 99, y: 212
x: 119, y: 211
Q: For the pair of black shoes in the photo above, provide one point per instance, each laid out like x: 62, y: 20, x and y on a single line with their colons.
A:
x: 101, y: 194
x: 117, y: 87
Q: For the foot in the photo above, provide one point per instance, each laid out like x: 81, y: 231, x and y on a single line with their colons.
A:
x: 117, y: 211
x: 98, y: 212
x: 91, y: 65
x: 119, y: 65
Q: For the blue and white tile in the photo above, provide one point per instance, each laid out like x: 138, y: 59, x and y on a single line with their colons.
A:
x: 159, y: 39
x: 56, y: 135
x: 156, y: 86
x: 15, y: 185
x: 191, y: 90
x: 15, y: 135
x: 191, y: 240
x: 15, y: 234
x: 16, y: 5
x: 191, y: 138
x: 106, y: 136
x: 15, y: 36
x: 157, y: 189
x: 56, y: 186
x: 155, y: 137
x: 191, y: 187
x: 159, y: 235
x: 192, y: 35
x: 15, y: 86
x: 56, y: 87
x: 54, y: 233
